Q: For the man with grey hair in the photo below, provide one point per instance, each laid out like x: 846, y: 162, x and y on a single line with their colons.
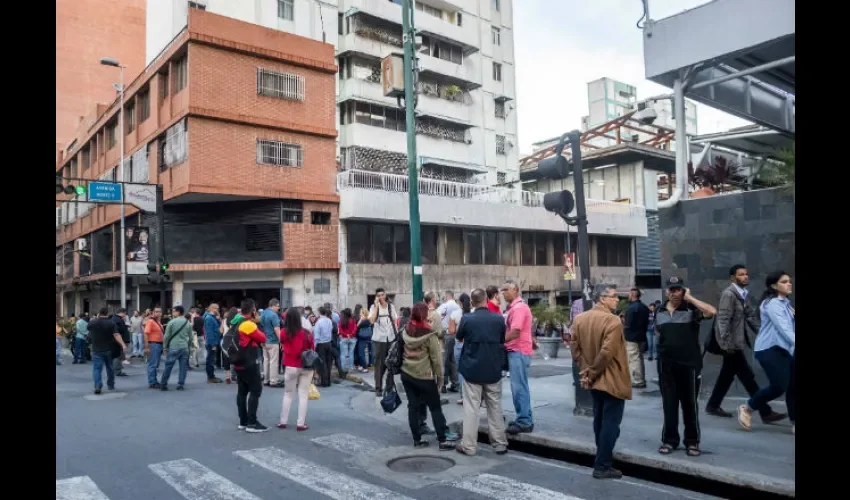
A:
x: 519, y: 344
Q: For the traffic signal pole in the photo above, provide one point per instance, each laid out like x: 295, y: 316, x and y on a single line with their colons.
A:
x: 160, y: 242
x: 409, y: 37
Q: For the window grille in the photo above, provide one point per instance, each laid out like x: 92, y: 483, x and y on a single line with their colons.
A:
x: 286, y: 9
x: 281, y: 85
x: 500, y: 145
x: 280, y: 154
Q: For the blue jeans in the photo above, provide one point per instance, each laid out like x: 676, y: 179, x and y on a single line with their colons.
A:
x: 101, y: 360
x: 607, y: 415
x: 346, y: 353
x: 153, y: 361
x: 458, y: 350
x: 361, y: 353
x: 518, y: 364
x: 58, y: 350
x: 138, y: 344
x: 181, y: 356
x: 778, y: 364
x: 651, y: 347
x: 79, y: 350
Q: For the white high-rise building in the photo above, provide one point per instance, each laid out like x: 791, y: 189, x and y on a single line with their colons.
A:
x: 466, y: 113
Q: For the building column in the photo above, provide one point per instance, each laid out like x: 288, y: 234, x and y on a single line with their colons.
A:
x: 78, y: 303
x: 177, y: 289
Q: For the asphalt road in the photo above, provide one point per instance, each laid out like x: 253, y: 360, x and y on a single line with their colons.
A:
x: 141, y: 444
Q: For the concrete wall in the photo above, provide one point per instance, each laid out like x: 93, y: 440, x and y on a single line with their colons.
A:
x: 702, y: 238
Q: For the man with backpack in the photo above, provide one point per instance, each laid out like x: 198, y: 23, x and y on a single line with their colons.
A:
x: 242, y: 344
x: 178, y: 335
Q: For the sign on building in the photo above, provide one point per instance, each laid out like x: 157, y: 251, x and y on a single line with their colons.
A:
x: 105, y: 192
x: 138, y: 250
x: 569, y: 266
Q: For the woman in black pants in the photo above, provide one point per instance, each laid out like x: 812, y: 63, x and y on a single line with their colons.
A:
x: 422, y: 376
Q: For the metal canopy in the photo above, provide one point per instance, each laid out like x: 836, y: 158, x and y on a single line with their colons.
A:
x: 737, y: 56
x: 752, y: 140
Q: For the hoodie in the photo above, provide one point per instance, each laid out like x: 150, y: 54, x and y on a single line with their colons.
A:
x: 421, y: 352
x: 211, y: 330
x: 250, y: 339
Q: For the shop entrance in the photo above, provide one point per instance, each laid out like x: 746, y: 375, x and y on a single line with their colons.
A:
x: 233, y: 297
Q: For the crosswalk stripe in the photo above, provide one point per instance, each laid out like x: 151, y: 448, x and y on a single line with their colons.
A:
x: 316, y: 477
x: 502, y: 488
x: 196, y: 482
x: 347, y: 443
x: 78, y: 488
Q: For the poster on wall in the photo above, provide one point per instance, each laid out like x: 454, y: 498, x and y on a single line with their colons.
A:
x: 137, y: 245
x: 569, y: 266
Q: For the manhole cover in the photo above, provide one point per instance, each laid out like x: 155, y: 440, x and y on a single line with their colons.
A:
x: 420, y: 464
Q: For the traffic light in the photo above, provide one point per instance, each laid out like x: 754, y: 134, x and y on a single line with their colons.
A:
x: 559, y: 202
x: 157, y: 273
x: 554, y: 167
x: 69, y: 188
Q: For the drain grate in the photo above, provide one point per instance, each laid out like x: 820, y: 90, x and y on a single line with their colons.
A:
x: 420, y: 464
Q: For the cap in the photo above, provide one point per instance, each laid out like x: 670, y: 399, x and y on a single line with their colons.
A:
x: 675, y: 282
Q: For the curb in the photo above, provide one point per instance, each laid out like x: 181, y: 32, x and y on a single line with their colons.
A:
x: 758, y: 482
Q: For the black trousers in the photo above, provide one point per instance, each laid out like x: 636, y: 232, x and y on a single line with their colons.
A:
x: 423, y: 392
x: 679, y: 387
x: 250, y: 386
x: 449, y: 365
x: 336, y: 358
x: 607, y: 416
x: 735, y: 365
x: 325, y: 352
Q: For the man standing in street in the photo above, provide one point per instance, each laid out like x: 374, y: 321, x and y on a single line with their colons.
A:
x: 483, y: 335
x: 120, y: 319
x: 518, y: 343
x: 104, y: 337
x: 599, y: 348
x: 249, y: 380
x: 80, y: 339
x: 153, y: 346
x: 382, y: 315
x: 270, y: 324
x: 736, y: 326
x: 680, y: 364
x: 138, y: 336
x: 178, y: 335
x: 212, y: 327
x: 637, y: 320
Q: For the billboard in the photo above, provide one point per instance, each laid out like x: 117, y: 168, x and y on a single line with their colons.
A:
x: 137, y: 245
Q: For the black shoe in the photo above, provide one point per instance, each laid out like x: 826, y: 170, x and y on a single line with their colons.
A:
x: 515, y: 428
x: 180, y: 388
x: 425, y: 430
x: 256, y: 427
x: 639, y: 386
x: 422, y: 443
x: 611, y: 473
x: 501, y: 452
x: 717, y: 412
x: 163, y: 387
x: 75, y: 363
x: 773, y: 417
x: 444, y: 390
x: 447, y: 446
x: 154, y: 386
x: 453, y: 388
x: 97, y: 391
x: 111, y: 387
x: 122, y: 374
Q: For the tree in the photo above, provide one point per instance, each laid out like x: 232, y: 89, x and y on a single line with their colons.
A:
x: 717, y: 176
x: 780, y: 173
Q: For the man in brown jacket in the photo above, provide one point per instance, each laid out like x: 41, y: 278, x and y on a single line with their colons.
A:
x: 599, y: 348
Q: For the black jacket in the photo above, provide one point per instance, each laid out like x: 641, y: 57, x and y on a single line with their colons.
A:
x: 483, y: 355
x: 122, y: 328
x: 637, y: 322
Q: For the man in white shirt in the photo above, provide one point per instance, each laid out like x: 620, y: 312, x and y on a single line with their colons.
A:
x: 382, y: 315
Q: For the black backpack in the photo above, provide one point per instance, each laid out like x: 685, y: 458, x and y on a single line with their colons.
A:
x: 230, y: 345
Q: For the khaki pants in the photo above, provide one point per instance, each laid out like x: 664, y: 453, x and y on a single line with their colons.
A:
x: 636, y: 368
x: 491, y: 395
x: 271, y: 363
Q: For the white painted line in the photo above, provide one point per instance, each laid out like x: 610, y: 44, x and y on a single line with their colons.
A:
x: 502, y: 488
x: 78, y: 488
x: 196, y: 482
x: 320, y: 479
x: 347, y: 443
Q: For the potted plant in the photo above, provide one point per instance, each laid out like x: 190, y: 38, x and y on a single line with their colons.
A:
x: 553, y: 320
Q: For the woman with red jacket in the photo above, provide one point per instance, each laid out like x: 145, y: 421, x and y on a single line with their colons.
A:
x: 294, y: 341
x: 347, y: 339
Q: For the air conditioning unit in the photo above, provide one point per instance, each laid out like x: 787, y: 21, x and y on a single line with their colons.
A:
x: 81, y: 244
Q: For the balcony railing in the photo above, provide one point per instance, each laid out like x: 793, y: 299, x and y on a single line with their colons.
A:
x: 395, y: 183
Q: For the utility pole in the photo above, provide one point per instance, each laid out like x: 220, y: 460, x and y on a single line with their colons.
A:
x: 160, y: 244
x: 409, y: 37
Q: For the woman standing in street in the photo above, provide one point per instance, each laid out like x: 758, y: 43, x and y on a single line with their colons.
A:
x: 774, y: 350
x: 294, y: 341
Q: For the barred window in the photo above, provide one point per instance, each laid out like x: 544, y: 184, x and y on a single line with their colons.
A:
x: 286, y: 9
x: 501, y: 177
x: 181, y: 74
x: 500, y: 145
x: 278, y: 153
x: 500, y: 109
x: 280, y: 85
x: 173, y: 148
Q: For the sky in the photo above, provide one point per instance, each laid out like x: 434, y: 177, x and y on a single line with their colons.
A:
x: 560, y: 45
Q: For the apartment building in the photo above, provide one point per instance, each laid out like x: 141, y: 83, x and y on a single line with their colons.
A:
x: 237, y: 123
x: 82, y: 26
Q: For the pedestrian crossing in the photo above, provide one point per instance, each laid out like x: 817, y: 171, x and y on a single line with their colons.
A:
x: 193, y: 480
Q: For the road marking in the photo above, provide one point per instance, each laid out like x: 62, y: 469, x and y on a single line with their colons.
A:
x: 320, y: 479
x: 78, y: 488
x: 196, y: 482
x: 347, y: 443
x: 502, y: 488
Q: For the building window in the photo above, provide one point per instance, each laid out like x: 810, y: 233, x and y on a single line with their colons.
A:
x: 130, y: 118
x: 490, y: 242
x: 181, y: 74
x: 281, y: 85
x: 320, y: 218
x: 526, y: 250
x: 496, y: 35
x: 454, y: 246
x: 474, y: 252
x: 379, y: 116
x: 196, y: 5
x: 429, y: 244
x: 387, y: 244
x: 292, y: 212
x: 429, y: 10
x: 173, y: 149
x: 322, y: 285
x: 163, y: 85
x: 501, y: 177
x: 496, y: 5
x: 144, y: 104
x: 359, y: 242
x: 559, y: 243
x: 541, y: 249
x: 507, y: 251
x: 111, y: 136
x: 286, y: 9
x: 279, y: 153
x: 499, y: 109
x: 340, y: 23
x: 73, y: 169
x: 85, y: 159
x: 500, y: 145
x: 497, y: 72
x: 459, y: 18
x: 262, y: 238
x: 613, y: 252
x: 401, y: 243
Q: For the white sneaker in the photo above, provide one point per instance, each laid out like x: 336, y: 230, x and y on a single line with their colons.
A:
x: 745, y: 417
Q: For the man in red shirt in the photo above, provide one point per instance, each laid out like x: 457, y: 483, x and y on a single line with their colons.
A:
x: 249, y: 380
x: 493, y: 302
x: 519, y: 344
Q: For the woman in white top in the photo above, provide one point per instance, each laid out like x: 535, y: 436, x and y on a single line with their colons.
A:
x: 454, y: 322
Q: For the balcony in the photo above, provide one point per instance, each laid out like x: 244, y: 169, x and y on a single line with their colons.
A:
x: 466, y: 75
x: 358, y: 134
x: 454, y: 109
x: 380, y: 196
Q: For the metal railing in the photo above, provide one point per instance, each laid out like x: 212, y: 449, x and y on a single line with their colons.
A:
x: 396, y: 183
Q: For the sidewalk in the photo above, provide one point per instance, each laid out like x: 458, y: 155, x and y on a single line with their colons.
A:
x: 762, y: 459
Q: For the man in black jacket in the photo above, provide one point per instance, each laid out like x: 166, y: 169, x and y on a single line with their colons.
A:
x: 118, y: 354
x: 637, y: 322
x: 481, y: 360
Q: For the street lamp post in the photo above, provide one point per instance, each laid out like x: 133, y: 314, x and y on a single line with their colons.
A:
x: 109, y: 61
x: 409, y: 37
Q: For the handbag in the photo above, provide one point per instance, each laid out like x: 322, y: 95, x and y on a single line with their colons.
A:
x: 310, y: 359
x: 391, y: 400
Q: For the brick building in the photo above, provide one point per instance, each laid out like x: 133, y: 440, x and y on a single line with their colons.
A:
x: 237, y: 122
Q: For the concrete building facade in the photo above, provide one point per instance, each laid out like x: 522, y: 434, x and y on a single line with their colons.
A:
x: 236, y: 122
